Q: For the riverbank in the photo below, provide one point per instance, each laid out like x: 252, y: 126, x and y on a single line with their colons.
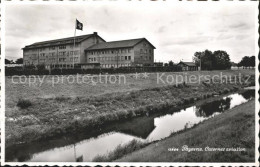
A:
x: 45, y: 118
x: 234, y: 128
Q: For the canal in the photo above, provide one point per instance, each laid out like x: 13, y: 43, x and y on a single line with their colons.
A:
x: 148, y: 128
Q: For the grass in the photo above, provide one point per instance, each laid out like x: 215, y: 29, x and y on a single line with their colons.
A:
x: 232, y: 129
x: 120, y: 151
x: 51, y: 116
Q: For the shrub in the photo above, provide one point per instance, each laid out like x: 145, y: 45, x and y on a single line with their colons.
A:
x: 60, y: 99
x: 24, y: 103
x: 192, y: 100
x: 226, y: 90
x: 186, y: 101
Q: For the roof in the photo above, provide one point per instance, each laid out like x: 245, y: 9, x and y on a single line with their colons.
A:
x: 188, y: 63
x: 117, y: 44
x: 69, y: 40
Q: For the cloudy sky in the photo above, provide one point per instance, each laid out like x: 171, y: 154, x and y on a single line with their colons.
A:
x: 176, y: 30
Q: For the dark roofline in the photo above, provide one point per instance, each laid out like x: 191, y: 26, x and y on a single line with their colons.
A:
x: 141, y: 39
x: 187, y: 64
x: 147, y: 41
x: 36, y: 44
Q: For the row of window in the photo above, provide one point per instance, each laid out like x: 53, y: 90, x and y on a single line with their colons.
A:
x: 145, y: 51
x: 145, y: 57
x: 115, y: 65
x: 71, y: 59
x: 115, y: 51
x: 53, y: 48
x: 60, y: 59
x: 59, y: 53
x: 119, y: 58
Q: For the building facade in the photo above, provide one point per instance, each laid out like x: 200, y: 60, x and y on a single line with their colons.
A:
x: 91, y: 51
x: 59, y: 53
x: 188, y: 66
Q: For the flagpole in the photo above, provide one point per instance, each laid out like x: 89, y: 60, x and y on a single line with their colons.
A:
x: 74, y: 45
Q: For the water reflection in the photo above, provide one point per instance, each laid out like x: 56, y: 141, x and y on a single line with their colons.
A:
x: 217, y: 106
x: 84, y: 147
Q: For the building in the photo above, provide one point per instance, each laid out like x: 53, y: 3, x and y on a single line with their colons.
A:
x: 188, y: 66
x: 91, y: 51
x: 60, y: 53
x: 134, y: 52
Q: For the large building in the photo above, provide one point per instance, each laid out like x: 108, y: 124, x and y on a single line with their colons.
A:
x: 91, y: 51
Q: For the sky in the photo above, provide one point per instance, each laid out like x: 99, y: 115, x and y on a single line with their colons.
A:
x: 176, y: 30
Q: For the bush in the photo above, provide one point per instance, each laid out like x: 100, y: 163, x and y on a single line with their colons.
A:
x: 24, y: 103
x: 62, y: 99
x: 226, y: 90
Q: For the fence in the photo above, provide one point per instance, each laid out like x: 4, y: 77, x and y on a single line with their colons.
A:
x: 18, y: 71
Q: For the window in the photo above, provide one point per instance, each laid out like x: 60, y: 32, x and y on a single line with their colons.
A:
x: 52, y: 48
x: 150, y: 58
x: 129, y: 57
x: 62, y: 47
x: 125, y: 57
x: 62, y: 53
x: 41, y: 49
x: 62, y: 59
x: 129, y: 50
x: 150, y: 51
x: 76, y: 52
x: 141, y: 50
x: 145, y: 50
x: 141, y: 57
x: 112, y: 51
x: 94, y: 59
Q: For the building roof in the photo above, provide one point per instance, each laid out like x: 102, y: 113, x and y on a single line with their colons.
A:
x: 188, y: 63
x: 69, y: 40
x: 118, y: 44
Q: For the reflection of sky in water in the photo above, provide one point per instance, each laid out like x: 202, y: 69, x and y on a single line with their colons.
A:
x: 88, y: 148
x: 169, y: 123
x: 236, y: 99
x: 160, y: 127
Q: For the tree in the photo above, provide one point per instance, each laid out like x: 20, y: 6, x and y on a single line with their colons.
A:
x: 219, y: 60
x: 166, y: 64
x: 205, y: 58
x: 170, y: 63
x: 252, y: 61
x: 245, y: 62
x: 19, y: 61
x: 7, y: 61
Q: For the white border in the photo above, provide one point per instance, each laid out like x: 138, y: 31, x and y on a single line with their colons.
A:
x: 2, y: 120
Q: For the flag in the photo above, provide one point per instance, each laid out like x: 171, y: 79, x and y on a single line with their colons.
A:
x: 79, y: 25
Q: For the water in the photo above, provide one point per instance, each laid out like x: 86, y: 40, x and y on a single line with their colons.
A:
x: 145, y: 129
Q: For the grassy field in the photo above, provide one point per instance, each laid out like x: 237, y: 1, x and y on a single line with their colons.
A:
x: 232, y: 129
x: 41, y: 111
x: 16, y: 91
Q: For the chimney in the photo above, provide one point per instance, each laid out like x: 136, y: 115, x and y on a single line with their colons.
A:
x: 95, y: 37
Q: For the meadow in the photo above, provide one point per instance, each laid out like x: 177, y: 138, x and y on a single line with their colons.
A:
x: 45, y: 110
